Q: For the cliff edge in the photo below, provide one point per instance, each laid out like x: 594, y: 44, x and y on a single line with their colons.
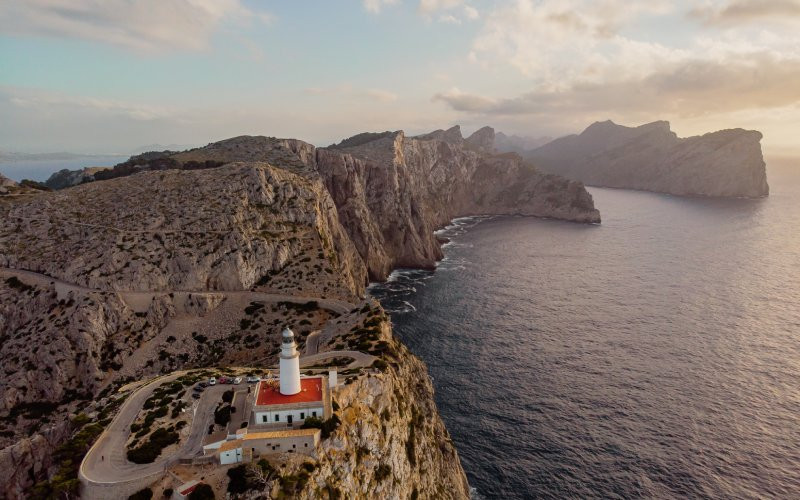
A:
x: 727, y: 163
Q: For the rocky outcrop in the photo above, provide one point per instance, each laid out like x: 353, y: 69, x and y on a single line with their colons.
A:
x: 482, y: 140
x: 651, y: 157
x: 393, y: 192
x: 6, y: 185
x: 188, y: 259
x: 391, y: 442
x: 450, y: 136
x: 65, y: 178
x: 518, y: 144
x: 212, y: 229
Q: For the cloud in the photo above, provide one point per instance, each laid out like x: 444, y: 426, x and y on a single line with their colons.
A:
x: 691, y: 88
x: 554, y: 40
x: 375, y: 6
x: 451, y: 11
x: 43, y: 102
x: 142, y: 25
x: 747, y: 11
x: 433, y: 6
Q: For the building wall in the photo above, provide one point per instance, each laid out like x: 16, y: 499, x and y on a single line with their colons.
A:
x: 305, y: 445
x: 298, y: 415
x: 231, y: 456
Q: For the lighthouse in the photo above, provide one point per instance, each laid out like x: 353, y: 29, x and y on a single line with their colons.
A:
x: 289, y: 364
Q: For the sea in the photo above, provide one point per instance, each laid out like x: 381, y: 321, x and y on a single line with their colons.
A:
x: 656, y: 355
x: 40, y: 170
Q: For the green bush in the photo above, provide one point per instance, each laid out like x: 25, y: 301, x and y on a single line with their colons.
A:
x: 326, y: 426
x: 382, y: 472
x: 227, y: 396
x: 237, y: 480
x: 202, y: 492
x: 145, y: 494
x: 222, y: 415
x: 149, y: 451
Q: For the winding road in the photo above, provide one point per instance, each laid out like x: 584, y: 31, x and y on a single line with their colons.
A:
x: 106, y: 472
x: 140, y: 301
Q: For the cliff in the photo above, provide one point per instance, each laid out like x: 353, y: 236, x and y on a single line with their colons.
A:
x: 199, y: 258
x: 651, y: 157
x: 6, y: 184
x: 65, y: 178
x: 391, y: 442
x: 109, y: 282
x: 394, y: 191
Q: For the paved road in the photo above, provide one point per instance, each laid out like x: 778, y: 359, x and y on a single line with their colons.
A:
x: 312, y: 342
x: 106, y: 461
x: 140, y: 300
x: 360, y: 359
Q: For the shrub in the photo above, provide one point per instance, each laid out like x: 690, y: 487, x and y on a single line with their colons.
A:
x: 326, y: 426
x: 227, y: 396
x: 222, y: 415
x: 149, y: 451
x: 237, y: 480
x: 382, y: 472
x: 145, y: 494
x: 202, y: 492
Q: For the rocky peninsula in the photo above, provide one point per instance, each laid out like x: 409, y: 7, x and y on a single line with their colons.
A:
x: 727, y: 163
x: 196, y: 260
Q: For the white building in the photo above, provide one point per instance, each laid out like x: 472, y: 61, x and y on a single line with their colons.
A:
x: 253, y: 444
x: 278, y: 407
x: 293, y: 398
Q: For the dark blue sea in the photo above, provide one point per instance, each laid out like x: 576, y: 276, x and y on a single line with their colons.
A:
x: 654, y: 356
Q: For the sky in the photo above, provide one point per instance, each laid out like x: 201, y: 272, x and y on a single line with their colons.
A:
x: 109, y: 76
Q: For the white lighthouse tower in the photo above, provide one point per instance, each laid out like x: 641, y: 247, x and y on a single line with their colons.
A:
x: 290, y: 364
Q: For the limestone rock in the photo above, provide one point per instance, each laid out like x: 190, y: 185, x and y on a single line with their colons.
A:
x: 450, y: 136
x: 393, y: 192
x: 482, y: 140
x: 65, y: 178
x: 651, y: 157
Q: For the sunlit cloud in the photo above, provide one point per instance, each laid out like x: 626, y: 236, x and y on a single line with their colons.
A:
x: 375, y: 6
x: 144, y: 25
x: 748, y: 11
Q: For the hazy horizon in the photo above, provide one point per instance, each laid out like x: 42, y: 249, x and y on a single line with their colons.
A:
x: 81, y: 76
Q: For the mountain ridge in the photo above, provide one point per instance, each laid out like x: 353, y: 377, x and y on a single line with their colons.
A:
x: 651, y: 157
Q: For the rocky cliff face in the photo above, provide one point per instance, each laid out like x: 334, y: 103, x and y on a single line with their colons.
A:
x: 393, y: 192
x: 391, y: 442
x: 653, y: 158
x: 65, y: 178
x: 188, y: 259
x: 201, y: 230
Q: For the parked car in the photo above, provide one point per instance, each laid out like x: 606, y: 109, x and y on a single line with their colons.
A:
x: 212, y: 381
x: 237, y: 380
x: 203, y: 384
x: 224, y: 380
x: 196, y: 395
x: 198, y: 389
x: 253, y: 379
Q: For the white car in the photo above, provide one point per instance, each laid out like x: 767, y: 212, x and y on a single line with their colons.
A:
x: 251, y: 379
x: 237, y: 381
x: 212, y: 381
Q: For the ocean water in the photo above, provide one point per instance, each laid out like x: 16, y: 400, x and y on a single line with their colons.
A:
x: 41, y: 170
x: 656, y: 355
